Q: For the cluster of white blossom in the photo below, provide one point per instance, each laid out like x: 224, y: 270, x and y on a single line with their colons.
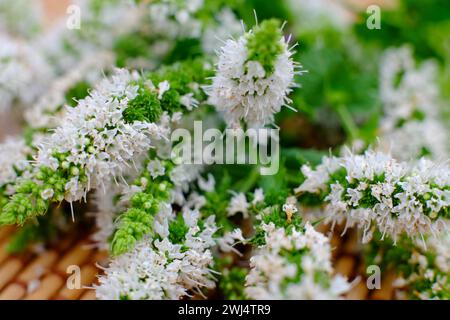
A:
x: 181, y: 176
x: 170, y: 21
x: 157, y: 268
x: 228, y: 26
x: 117, y: 196
x: 94, y: 140
x: 49, y: 109
x: 374, y: 190
x: 21, y: 18
x: 426, y: 138
x: 411, y: 103
x: 295, y: 265
x: 24, y: 72
x: 429, y: 262
x: 67, y: 42
x: 243, y: 89
x: 176, y: 19
x: 238, y: 204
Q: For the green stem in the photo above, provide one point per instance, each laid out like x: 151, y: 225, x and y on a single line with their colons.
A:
x: 250, y: 180
x: 347, y: 121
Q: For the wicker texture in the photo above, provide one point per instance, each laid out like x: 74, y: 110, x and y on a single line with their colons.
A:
x: 44, y: 275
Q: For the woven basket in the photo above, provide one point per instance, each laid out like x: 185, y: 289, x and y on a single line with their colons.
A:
x: 45, y: 275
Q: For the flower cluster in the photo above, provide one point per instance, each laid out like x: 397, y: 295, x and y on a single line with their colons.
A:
x: 227, y: 26
x: 254, y: 76
x: 49, y: 109
x: 174, y: 263
x: 373, y: 190
x: 14, y: 163
x: 21, y: 18
x: 291, y: 262
x: 174, y: 29
x: 98, y: 140
x: 155, y: 188
x: 67, y: 43
x: 176, y: 19
x: 410, y: 98
x: 422, y: 267
x: 24, y: 73
x: 430, y: 263
x: 95, y: 130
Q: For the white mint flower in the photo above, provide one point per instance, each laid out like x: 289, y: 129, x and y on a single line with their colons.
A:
x: 94, y: 140
x: 274, y: 274
x: 160, y: 269
x: 163, y: 87
x: 404, y: 87
x: 374, y: 190
x: 47, y: 194
x: 174, y: 19
x: 49, y: 109
x: 428, y: 260
x: 105, y: 216
x: 258, y: 196
x: 289, y: 209
x: 238, y: 203
x: 207, y: 185
x: 24, y: 73
x: 67, y: 47
x: 228, y: 240
x: 156, y: 168
x: 429, y: 139
x: 189, y: 101
x: 21, y: 17
x: 182, y: 175
x: 410, y: 97
x: 142, y: 274
x: 252, y: 90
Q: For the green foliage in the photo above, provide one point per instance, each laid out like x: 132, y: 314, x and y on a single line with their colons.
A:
x: 423, y: 24
x: 217, y: 202
x: 232, y: 283
x: 133, y: 225
x: 279, y: 219
x: 77, y: 92
x: 34, y: 195
x: 137, y: 221
x: 383, y: 253
x: 279, y: 186
x: 171, y: 101
x: 341, y: 87
x: 144, y: 107
x: 25, y: 204
x: 264, y: 44
x: 128, y: 46
x: 178, y: 230
x: 181, y: 76
x: 184, y: 49
x: 398, y: 259
x: 33, y: 231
